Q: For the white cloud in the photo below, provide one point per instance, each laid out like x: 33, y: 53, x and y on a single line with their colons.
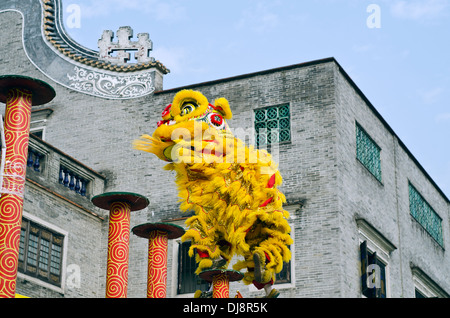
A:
x: 430, y: 96
x: 362, y: 48
x: 259, y: 18
x: 405, y: 53
x: 442, y: 118
x: 419, y: 9
x: 159, y: 10
x: 177, y: 60
x: 100, y: 8
x: 166, y: 11
x: 172, y: 58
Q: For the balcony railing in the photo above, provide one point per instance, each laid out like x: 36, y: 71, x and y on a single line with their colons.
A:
x: 53, y: 169
x: 72, y: 180
x: 34, y: 158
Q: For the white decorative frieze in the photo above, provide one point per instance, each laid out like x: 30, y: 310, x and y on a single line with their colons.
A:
x: 111, y: 86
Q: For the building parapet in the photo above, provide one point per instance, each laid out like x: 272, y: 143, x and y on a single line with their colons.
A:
x: 60, y: 174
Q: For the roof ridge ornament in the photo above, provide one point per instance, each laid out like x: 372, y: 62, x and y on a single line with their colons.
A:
x: 56, y: 37
x: 124, y: 46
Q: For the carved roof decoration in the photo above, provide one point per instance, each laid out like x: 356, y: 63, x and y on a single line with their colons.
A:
x: 53, y: 30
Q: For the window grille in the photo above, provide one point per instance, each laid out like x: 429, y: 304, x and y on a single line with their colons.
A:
x: 272, y: 125
x: 368, y: 152
x: 424, y: 214
x: 40, y: 253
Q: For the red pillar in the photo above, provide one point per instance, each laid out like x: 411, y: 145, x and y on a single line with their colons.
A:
x: 158, y: 235
x: 221, y: 279
x: 118, y: 250
x: 221, y: 286
x: 20, y: 93
x: 119, y: 204
x: 157, y: 264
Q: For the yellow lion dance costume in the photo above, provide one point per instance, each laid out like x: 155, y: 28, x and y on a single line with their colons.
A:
x: 232, y: 189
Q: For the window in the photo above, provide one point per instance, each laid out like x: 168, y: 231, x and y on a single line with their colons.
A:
x: 40, y: 252
x: 375, y: 250
x: 38, y: 121
x: 368, y: 152
x: 284, y: 277
x: 424, y: 214
x: 272, y: 125
x: 188, y: 281
x: 418, y: 294
x: 424, y: 286
x: 373, y: 274
x: 38, y: 133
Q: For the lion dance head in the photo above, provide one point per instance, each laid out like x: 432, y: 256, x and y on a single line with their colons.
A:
x: 193, y: 124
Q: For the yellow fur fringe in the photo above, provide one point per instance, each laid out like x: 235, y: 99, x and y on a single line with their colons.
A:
x: 226, y: 184
x: 227, y: 199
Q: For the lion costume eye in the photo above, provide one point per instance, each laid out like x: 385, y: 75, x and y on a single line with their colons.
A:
x: 216, y: 120
x: 187, y: 108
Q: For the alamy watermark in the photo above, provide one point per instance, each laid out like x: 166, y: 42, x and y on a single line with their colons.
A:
x: 374, y: 19
x: 73, y: 276
x: 210, y: 146
x: 73, y: 20
x: 373, y: 276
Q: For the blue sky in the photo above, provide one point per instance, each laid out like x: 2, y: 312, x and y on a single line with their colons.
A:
x: 402, y: 64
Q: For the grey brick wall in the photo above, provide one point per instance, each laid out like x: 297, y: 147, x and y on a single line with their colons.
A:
x: 85, y: 241
x: 384, y: 205
x: 307, y: 164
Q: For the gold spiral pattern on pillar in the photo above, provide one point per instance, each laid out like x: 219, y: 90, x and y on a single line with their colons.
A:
x: 157, y: 264
x: 17, y: 129
x: 118, y: 249
x: 221, y: 286
x: 18, y: 120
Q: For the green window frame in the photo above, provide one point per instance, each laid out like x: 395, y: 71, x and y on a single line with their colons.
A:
x: 425, y: 215
x: 368, y: 152
x: 272, y: 125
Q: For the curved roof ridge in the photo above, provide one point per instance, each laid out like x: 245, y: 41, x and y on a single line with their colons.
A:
x: 56, y: 35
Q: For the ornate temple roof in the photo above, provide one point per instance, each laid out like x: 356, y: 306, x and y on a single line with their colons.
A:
x: 99, y: 73
x: 56, y: 35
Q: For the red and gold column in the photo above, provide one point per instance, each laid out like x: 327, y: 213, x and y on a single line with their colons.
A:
x: 221, y: 280
x: 158, y: 235
x: 221, y: 286
x: 118, y: 250
x: 157, y: 264
x: 119, y: 204
x: 19, y: 93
